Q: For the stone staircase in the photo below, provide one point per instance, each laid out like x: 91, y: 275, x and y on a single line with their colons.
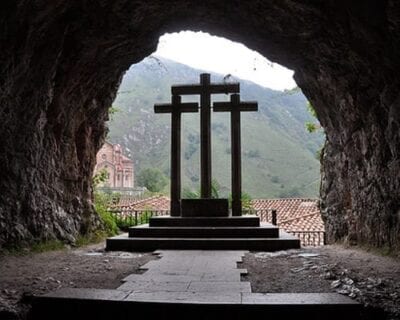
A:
x: 205, y: 233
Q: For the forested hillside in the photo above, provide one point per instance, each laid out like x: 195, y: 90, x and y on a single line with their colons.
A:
x: 278, y: 154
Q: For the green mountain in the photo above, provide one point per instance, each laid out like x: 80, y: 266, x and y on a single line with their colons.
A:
x: 278, y: 154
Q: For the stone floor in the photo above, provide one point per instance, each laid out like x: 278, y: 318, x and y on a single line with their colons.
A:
x: 205, y: 283
x: 196, y: 277
x: 190, y: 276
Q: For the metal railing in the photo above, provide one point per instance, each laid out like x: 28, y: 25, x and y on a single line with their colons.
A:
x: 265, y: 215
x: 307, y: 238
x: 126, y: 218
x: 310, y: 238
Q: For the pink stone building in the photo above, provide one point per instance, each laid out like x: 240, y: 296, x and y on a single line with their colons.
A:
x: 119, y: 167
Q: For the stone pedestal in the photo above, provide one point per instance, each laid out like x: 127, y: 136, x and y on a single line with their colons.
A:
x: 204, y: 233
x: 205, y: 208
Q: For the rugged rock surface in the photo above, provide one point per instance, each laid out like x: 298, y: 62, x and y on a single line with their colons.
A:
x: 61, y: 63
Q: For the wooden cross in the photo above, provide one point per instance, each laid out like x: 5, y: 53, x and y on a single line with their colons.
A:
x: 176, y: 107
x: 205, y: 89
x: 234, y: 106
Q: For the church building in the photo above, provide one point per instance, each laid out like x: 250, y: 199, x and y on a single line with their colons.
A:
x: 119, y: 167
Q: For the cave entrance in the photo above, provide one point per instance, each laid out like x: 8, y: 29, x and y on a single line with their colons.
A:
x: 278, y: 154
x: 62, y: 69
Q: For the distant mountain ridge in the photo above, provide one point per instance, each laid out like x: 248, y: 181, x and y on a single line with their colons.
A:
x: 278, y: 154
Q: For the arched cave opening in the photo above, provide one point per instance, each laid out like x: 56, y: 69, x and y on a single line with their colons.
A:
x: 280, y: 157
x: 62, y: 63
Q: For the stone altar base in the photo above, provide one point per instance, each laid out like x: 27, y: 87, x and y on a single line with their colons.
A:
x: 205, y: 233
x: 205, y: 207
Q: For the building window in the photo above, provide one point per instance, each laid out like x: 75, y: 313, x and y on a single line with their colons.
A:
x: 104, y: 156
x: 118, y: 177
x: 126, y: 177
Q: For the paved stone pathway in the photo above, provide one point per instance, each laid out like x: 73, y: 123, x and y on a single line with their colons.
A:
x: 192, y: 284
x: 189, y: 276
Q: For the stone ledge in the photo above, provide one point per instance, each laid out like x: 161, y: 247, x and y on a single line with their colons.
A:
x: 242, y: 221
x: 264, y: 231
x: 83, y: 304
x: 149, y: 244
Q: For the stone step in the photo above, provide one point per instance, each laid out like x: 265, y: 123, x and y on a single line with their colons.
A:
x: 265, y: 231
x: 125, y: 243
x: 99, y: 304
x: 240, y: 221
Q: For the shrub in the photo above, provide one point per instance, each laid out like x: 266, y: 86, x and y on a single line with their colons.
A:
x: 49, y: 245
x: 246, y: 201
x: 153, y: 179
x: 100, y: 204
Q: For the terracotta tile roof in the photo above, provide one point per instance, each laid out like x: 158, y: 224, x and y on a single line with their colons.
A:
x: 157, y: 203
x: 293, y: 214
x: 153, y: 203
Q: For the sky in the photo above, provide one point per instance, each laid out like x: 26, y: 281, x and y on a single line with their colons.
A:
x: 203, y: 51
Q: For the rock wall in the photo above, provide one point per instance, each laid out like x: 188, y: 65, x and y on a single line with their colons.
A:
x: 61, y: 63
x: 357, y: 102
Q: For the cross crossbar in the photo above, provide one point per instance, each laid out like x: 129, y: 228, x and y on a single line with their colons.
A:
x: 213, y: 88
x: 235, y: 105
x: 176, y: 106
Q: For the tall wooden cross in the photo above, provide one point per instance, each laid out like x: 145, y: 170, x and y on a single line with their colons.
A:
x: 205, y: 89
x: 176, y: 107
x: 235, y: 106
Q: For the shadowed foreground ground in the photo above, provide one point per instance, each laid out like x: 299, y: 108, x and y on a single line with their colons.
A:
x: 371, y: 279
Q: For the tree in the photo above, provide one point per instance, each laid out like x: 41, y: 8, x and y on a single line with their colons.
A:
x: 153, y: 179
x: 112, y: 111
x: 100, y: 177
x: 312, y: 126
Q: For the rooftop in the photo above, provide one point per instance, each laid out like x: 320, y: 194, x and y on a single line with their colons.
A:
x: 293, y: 214
x: 157, y: 203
